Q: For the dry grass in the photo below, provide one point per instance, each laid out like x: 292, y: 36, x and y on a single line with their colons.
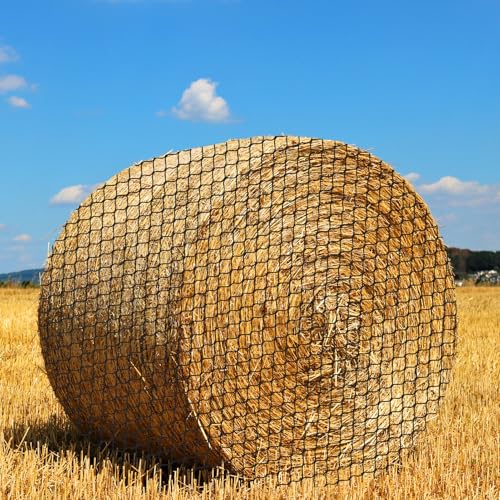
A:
x: 41, y: 457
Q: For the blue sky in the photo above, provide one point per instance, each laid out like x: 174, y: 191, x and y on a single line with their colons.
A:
x: 88, y: 87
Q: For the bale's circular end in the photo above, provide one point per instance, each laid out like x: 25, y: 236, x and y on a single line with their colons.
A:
x: 280, y: 305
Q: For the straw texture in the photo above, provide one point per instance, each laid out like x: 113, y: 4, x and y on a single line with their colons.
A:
x: 280, y: 305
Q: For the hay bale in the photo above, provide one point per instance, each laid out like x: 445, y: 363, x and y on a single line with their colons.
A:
x: 280, y: 305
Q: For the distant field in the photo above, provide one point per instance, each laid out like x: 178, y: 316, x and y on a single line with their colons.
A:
x: 41, y: 457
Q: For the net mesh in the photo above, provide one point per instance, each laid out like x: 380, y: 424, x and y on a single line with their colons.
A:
x: 278, y: 306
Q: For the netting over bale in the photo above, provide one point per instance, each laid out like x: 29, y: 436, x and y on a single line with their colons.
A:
x: 277, y: 305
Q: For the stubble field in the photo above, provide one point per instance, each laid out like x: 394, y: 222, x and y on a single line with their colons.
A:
x: 41, y: 456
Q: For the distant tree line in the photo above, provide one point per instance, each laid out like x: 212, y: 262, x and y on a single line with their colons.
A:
x: 468, y: 261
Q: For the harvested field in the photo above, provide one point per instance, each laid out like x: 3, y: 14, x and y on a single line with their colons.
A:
x: 41, y: 456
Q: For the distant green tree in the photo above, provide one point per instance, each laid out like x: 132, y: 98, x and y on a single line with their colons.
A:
x: 482, y: 261
x: 456, y: 264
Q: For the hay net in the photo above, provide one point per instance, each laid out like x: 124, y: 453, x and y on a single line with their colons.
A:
x: 280, y: 306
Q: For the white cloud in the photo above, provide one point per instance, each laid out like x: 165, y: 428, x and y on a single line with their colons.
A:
x: 18, y: 102
x: 412, y: 177
x: 2, y: 227
x: 7, y: 54
x: 161, y: 113
x: 452, y: 185
x: 71, y: 194
x: 465, y: 211
x: 200, y: 102
x: 8, y: 83
x: 456, y: 192
x: 22, y: 237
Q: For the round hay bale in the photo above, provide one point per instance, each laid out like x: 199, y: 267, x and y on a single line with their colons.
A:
x: 279, y: 305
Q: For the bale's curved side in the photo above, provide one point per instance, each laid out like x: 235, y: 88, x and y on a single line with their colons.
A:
x: 279, y: 304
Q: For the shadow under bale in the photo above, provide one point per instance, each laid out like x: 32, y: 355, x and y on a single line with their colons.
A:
x: 59, y: 440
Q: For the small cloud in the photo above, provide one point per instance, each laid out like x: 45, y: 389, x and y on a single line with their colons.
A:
x: 412, y: 177
x: 18, y: 102
x: 162, y: 113
x: 22, y: 237
x: 200, y: 102
x: 71, y: 194
x: 2, y: 227
x: 7, y: 54
x: 456, y: 192
x: 452, y: 185
x: 9, y: 83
